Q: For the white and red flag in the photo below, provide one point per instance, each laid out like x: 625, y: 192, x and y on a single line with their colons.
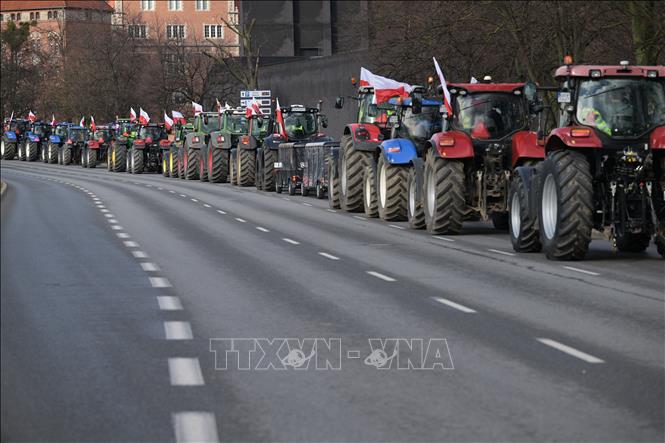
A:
x: 219, y: 107
x: 132, y: 115
x: 197, y: 108
x: 446, y: 93
x: 168, y: 122
x: 384, y: 88
x: 53, y: 122
x: 178, y: 118
x: 93, y: 126
x: 253, y: 108
x: 279, y: 118
x: 144, y: 118
x: 82, y: 122
x: 31, y: 116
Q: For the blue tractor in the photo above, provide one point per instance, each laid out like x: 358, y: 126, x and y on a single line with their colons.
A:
x: 55, y: 140
x: 71, y: 145
x: 12, y: 137
x: 35, y: 141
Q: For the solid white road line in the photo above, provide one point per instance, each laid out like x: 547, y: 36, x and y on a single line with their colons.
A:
x: 117, y: 228
x: 149, y: 267
x: 122, y: 235
x: 452, y: 304
x: 131, y: 244
x: 381, y: 276
x: 501, y: 252
x: 241, y: 220
x: 139, y: 254
x: 178, y: 330
x: 159, y: 282
x: 443, y: 238
x: 194, y: 426
x: 293, y: 242
x: 570, y: 351
x: 583, y: 271
x: 185, y: 372
x: 221, y: 212
x: 169, y: 303
x: 330, y: 256
x: 206, y: 205
x: 262, y: 229
x: 395, y: 226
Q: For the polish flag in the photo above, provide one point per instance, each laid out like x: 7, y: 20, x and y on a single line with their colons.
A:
x: 82, y: 122
x: 279, y: 118
x: 168, y: 122
x: 93, y: 126
x: 384, y: 88
x: 253, y: 109
x: 53, y: 123
x: 132, y: 115
x: 197, y: 108
x: 227, y: 106
x: 178, y: 118
x: 144, y: 118
x: 31, y: 116
x: 446, y: 93
x: 219, y: 107
x: 473, y: 80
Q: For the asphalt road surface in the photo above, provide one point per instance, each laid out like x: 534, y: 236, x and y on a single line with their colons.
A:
x: 114, y: 287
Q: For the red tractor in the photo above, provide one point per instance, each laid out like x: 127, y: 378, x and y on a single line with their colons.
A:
x: 605, y: 165
x: 470, y: 164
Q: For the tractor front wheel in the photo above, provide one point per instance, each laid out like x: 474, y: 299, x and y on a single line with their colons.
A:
x: 391, y: 188
x: 66, y: 156
x: 33, y: 151
x: 137, y: 161
x: 370, y: 204
x: 415, y: 207
x: 352, y: 165
x: 8, y: 150
x: 269, y: 159
x: 246, y: 167
x: 52, y: 153
x: 92, y: 158
x: 333, y: 186
x: 218, y: 165
x: 523, y: 228
x: 444, y: 195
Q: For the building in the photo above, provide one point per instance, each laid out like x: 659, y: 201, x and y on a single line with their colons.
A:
x: 192, y: 22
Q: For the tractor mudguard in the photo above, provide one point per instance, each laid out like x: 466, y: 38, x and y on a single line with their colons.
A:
x: 11, y: 136
x: 194, y: 141
x: 33, y: 138
x: 563, y: 136
x: 92, y: 144
x: 419, y: 166
x: 398, y: 151
x: 366, y: 137
x: 525, y: 145
x: 657, y: 139
x: 217, y: 140
x: 453, y: 144
x: 138, y: 144
x: 272, y: 141
x: 529, y: 176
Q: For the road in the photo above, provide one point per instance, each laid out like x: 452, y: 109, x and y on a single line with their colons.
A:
x: 113, y: 286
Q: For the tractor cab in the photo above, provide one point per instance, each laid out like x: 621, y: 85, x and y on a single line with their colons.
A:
x: 40, y: 131
x: 103, y: 134
x: 152, y: 133
x: 18, y: 126
x: 207, y: 122
x: 77, y: 135
x: 301, y: 123
x: 61, y: 129
x: 416, y: 123
x: 234, y: 121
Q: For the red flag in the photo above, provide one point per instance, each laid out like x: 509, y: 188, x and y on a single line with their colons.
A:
x: 253, y: 108
x: 93, y: 126
x: 219, y: 107
x: 53, y: 123
x: 132, y: 115
x: 384, y: 88
x: 446, y: 93
x: 32, y: 117
x: 178, y: 118
x: 197, y: 108
x: 82, y: 122
x: 168, y: 122
x: 144, y: 118
x: 279, y: 118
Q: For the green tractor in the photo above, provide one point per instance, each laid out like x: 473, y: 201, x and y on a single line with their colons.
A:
x: 216, y: 154
x: 126, y: 133
x: 190, y: 151
x: 170, y: 160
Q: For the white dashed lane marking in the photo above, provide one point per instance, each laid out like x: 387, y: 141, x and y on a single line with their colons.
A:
x: 130, y: 244
x: 206, y: 205
x: 122, y: 235
x: 359, y: 217
x: 329, y: 256
x: 307, y: 204
x: 185, y: 372
x: 139, y: 254
x: 117, y: 227
x: 194, y: 200
x: 178, y: 330
x: 443, y: 238
x: 159, y: 282
x: 381, y: 276
x: 241, y: 220
x: 293, y: 242
x: 169, y: 303
x: 583, y: 271
x: 262, y: 229
x: 570, y: 351
x: 396, y: 227
x: 194, y: 426
x: 221, y: 212
x: 454, y: 305
x: 149, y: 267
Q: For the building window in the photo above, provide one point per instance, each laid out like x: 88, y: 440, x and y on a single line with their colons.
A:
x: 137, y: 31
x: 175, y: 5
x: 147, y: 5
x: 55, y: 14
x: 37, y: 15
x: 32, y: 16
x: 18, y: 16
x: 49, y: 15
x: 213, y: 31
x: 175, y: 31
x: 2, y: 18
x: 202, y: 5
x: 233, y: 13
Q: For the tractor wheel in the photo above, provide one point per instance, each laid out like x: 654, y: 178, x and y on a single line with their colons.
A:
x: 391, y: 190
x: 320, y: 193
x: 191, y: 166
x: 84, y: 158
x: 415, y: 207
x: 352, y: 165
x: 258, y: 175
x: 181, y: 164
x: 203, y: 169
x: 269, y: 159
x: 43, y: 154
x: 246, y: 167
x: 304, y: 190
x: 165, y: 166
x: 333, y: 187
x: 218, y: 166
x: 173, y: 165
x: 21, y: 152
x: 522, y: 226
x: 633, y: 242
x: 444, y: 195
x: 66, y: 156
x: 500, y: 220
x: 232, y: 170
x: 292, y: 188
x: 369, y: 193
x: 137, y: 161
x: 32, y: 151
x: 91, y: 161
x: 119, y: 157
x: 52, y: 153
x: 8, y: 150
x: 566, y: 207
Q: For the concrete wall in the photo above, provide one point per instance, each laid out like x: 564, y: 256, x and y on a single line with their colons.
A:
x: 310, y: 80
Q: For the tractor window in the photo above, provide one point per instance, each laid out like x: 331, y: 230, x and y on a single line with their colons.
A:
x: 61, y: 131
x: 153, y: 132
x: 40, y: 130
x: 420, y: 126
x: 78, y: 135
x: 237, y: 124
x: 489, y: 115
x: 209, y: 123
x: 300, y: 125
x: 369, y: 112
x: 621, y: 107
x: 102, y: 134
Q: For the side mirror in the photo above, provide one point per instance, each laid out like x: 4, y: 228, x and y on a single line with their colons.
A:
x: 416, y: 105
x: 530, y: 92
x: 259, y: 122
x: 339, y: 102
x: 324, y: 121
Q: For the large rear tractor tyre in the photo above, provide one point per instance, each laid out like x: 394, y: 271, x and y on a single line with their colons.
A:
x: 84, y: 158
x: 415, y: 206
x: 33, y: 151
x: 52, y: 153
x: 566, y: 207
x: 269, y: 159
x: 21, y: 152
x: 233, y: 165
x: 42, y: 154
x: 370, y: 204
x: 218, y: 165
x: 633, y: 242
x: 137, y: 161
x: 8, y: 150
x: 191, y: 166
x: 246, y: 167
x: 173, y: 165
x: 91, y: 158
x: 523, y: 228
x: 444, y: 195
x: 391, y: 190
x: 119, y: 157
x: 333, y: 187
x: 66, y: 156
x: 352, y: 165
x: 165, y: 165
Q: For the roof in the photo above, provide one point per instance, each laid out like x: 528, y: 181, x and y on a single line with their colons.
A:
x: 608, y: 70
x: 28, y: 5
x: 407, y: 101
x: 488, y: 87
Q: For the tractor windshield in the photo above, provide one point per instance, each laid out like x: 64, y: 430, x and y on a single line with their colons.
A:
x: 489, y: 115
x: 369, y: 112
x: 237, y: 124
x: 78, y: 135
x: 126, y: 127
x: 40, y: 130
x: 102, y: 134
x: 300, y: 125
x: 209, y: 123
x: 61, y: 131
x: 420, y: 126
x: 621, y: 107
x: 153, y: 132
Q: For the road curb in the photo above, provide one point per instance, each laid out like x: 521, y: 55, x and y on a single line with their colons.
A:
x: 3, y: 188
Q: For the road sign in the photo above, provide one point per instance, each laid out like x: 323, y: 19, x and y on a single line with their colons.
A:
x: 257, y: 94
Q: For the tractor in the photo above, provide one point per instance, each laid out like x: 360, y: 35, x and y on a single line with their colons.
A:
x: 243, y: 154
x: 302, y: 125
x: 216, y: 154
x: 36, y: 139
x: 170, y: 152
x: 55, y: 140
x: 69, y: 152
x: 604, y: 167
x: 146, y: 152
x: 12, y: 138
x: 125, y: 133
x: 195, y: 146
x: 97, y: 147
x: 470, y: 164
